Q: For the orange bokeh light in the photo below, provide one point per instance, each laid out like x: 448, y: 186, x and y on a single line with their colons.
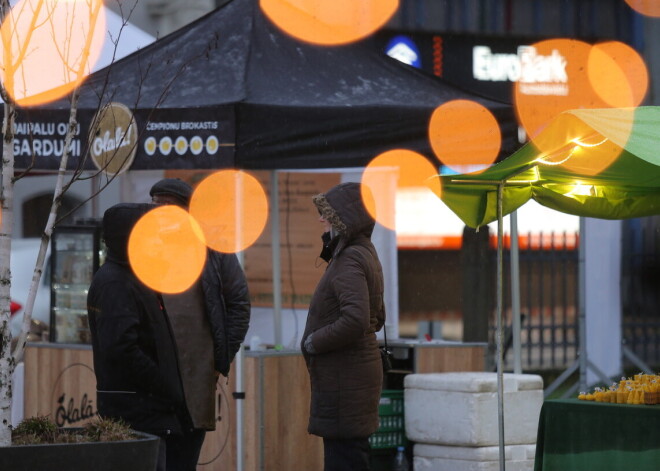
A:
x: 627, y: 77
x: 573, y: 144
x: 166, y: 249
x: 465, y: 136
x: 231, y: 208
x: 49, y: 46
x: 329, y: 22
x: 553, y: 80
x: 390, y: 172
x: 645, y: 7
x: 564, y: 74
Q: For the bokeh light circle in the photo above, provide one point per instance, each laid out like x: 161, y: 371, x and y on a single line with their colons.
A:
x: 553, y: 80
x: 566, y: 74
x: 576, y: 146
x: 166, y: 249
x: 618, y: 74
x: 329, y: 22
x: 645, y: 7
x: 49, y: 46
x: 391, y: 171
x: 465, y: 136
x: 232, y: 209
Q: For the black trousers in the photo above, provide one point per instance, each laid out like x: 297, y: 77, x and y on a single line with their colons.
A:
x: 346, y: 454
x: 180, y: 452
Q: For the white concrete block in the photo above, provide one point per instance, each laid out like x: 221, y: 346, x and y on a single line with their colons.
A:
x: 450, y: 458
x: 460, y: 409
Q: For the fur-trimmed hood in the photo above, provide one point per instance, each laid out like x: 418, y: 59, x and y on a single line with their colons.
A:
x: 343, y: 208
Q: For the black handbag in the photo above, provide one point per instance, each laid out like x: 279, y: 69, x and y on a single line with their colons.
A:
x: 385, y: 354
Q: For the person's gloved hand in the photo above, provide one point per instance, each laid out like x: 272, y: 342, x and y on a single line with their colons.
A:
x: 308, y: 346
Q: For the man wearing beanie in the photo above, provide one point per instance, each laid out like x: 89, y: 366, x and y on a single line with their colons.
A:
x: 209, y: 321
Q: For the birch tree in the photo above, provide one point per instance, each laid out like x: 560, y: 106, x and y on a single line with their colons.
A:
x: 72, y: 29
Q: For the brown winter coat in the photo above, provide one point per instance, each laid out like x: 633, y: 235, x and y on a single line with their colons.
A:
x: 345, y: 313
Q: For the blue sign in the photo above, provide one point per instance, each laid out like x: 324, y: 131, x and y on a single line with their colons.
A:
x: 404, y: 49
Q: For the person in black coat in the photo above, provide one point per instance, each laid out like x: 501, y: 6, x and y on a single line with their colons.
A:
x: 137, y: 373
x: 157, y: 356
x: 210, y: 319
x: 223, y: 282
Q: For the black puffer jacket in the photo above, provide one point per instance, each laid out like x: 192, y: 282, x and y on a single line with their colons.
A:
x: 345, y: 313
x: 135, y: 361
x: 227, y: 306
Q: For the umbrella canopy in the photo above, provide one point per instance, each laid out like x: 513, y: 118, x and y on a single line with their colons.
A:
x: 567, y: 177
x: 262, y: 98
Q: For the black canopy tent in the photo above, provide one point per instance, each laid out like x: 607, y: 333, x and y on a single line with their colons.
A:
x: 271, y: 101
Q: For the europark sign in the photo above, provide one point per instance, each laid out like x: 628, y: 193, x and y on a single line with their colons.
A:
x: 117, y: 138
x: 488, y: 66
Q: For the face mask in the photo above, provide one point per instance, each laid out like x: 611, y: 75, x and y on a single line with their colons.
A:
x: 326, y: 251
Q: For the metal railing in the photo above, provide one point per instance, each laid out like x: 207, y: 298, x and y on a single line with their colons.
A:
x: 549, y: 301
x: 640, y: 289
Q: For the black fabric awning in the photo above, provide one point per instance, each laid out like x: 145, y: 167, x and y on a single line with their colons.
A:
x: 271, y: 101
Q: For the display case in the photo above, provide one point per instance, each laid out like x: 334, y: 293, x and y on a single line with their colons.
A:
x: 77, y: 252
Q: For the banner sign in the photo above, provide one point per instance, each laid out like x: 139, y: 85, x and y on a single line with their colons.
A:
x: 486, y: 65
x: 113, y: 139
x: 139, y: 140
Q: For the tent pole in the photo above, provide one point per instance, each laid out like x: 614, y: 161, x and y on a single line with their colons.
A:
x: 240, y: 408
x: 515, y: 293
x: 95, y: 182
x: 582, y: 306
x: 240, y: 217
x: 276, y: 251
x: 500, y: 302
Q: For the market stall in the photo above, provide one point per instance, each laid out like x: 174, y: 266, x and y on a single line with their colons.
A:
x: 599, y: 163
x: 577, y: 435
x: 232, y: 91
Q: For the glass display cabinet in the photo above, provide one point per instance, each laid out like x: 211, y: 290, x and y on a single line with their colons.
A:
x: 77, y: 252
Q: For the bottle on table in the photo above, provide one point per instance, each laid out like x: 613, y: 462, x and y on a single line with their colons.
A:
x: 400, y: 460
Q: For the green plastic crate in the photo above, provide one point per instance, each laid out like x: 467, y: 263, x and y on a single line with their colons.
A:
x: 382, y: 440
x: 391, y: 402
x: 391, y: 430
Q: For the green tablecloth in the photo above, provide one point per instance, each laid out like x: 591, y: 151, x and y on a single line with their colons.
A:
x: 594, y: 436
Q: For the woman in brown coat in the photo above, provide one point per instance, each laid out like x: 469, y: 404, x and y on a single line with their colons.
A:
x: 339, y: 342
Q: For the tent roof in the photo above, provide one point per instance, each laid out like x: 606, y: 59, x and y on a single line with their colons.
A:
x: 235, y: 54
x: 295, y: 105
x: 629, y: 187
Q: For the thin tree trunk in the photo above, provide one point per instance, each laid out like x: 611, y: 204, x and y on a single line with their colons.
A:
x: 6, y: 226
x: 7, y: 362
x: 48, y: 230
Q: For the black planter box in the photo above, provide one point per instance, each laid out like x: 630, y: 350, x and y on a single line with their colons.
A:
x: 131, y: 455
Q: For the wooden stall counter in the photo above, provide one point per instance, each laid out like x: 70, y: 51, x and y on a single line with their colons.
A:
x: 60, y: 382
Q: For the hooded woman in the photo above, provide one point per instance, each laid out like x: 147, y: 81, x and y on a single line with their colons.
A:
x: 339, y: 343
